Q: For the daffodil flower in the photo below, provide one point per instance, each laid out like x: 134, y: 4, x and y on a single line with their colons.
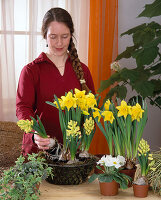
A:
x: 107, y: 105
x: 108, y: 116
x: 96, y: 113
x: 137, y: 112
x: 124, y: 109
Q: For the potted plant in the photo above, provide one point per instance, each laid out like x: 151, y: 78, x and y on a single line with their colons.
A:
x: 145, y: 77
x: 111, y: 178
x: 122, y: 127
x: 23, y: 179
x: 141, y: 185
x: 71, y: 161
x: 154, y: 175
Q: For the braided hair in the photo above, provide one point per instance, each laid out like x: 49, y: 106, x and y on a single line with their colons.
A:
x: 61, y: 15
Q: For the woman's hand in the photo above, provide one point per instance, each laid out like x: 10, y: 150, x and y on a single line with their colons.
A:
x: 42, y: 143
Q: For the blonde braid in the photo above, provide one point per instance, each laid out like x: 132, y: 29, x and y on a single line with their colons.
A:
x: 77, y: 66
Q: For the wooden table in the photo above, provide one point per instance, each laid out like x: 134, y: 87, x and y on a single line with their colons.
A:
x: 85, y: 191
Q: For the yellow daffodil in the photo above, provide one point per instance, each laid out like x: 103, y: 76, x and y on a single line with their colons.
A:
x: 79, y: 94
x: 69, y: 101
x: 88, y: 126
x: 108, y: 116
x: 60, y: 102
x: 25, y: 125
x: 107, y: 105
x: 73, y: 130
x: 137, y: 112
x: 96, y: 113
x: 90, y: 100
x: 124, y: 109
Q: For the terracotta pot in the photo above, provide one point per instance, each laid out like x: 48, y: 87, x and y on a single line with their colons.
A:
x: 129, y: 172
x: 109, y: 189
x: 140, y: 190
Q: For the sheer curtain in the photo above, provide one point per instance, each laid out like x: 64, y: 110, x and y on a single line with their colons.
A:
x: 21, y: 41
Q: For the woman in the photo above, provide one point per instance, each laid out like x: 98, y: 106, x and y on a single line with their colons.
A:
x: 55, y: 72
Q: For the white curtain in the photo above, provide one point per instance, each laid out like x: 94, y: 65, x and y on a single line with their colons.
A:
x: 21, y: 41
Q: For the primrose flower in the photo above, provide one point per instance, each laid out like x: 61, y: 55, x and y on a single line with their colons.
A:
x: 25, y: 125
x: 124, y: 109
x: 96, y: 113
x: 115, y: 66
x: 73, y: 130
x: 69, y: 101
x: 110, y: 161
x: 88, y: 126
x: 137, y: 112
x: 108, y: 116
x: 107, y: 105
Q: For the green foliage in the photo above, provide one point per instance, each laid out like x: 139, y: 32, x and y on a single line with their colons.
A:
x: 145, y: 78
x: 21, y: 181
x: 109, y: 174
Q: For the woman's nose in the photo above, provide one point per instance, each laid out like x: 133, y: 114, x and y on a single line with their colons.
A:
x: 59, y: 41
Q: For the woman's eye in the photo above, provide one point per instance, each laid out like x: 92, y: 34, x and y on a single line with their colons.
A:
x: 53, y: 36
x: 65, y: 36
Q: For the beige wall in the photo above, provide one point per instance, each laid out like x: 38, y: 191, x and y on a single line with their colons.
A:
x: 128, y: 11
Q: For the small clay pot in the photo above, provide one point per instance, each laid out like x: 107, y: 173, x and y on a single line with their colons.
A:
x: 129, y: 172
x: 109, y: 189
x: 140, y: 190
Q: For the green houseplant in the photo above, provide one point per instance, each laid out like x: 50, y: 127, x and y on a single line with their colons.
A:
x: 23, y: 179
x: 145, y: 77
x: 110, y: 167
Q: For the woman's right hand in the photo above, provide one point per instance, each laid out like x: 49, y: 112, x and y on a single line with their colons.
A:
x: 42, y: 143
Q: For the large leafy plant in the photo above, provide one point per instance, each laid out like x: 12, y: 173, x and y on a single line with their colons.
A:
x: 145, y: 78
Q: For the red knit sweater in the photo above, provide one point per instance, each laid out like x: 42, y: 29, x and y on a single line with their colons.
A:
x: 38, y: 82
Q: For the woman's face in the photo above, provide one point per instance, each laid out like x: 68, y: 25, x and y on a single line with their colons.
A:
x: 58, y: 38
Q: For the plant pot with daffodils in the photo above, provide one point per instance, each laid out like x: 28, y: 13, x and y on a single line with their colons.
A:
x: 122, y: 126
x: 111, y: 178
x: 70, y: 161
x: 145, y: 159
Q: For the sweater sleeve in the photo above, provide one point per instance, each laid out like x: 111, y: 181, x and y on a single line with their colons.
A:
x: 25, y: 103
x: 25, y: 99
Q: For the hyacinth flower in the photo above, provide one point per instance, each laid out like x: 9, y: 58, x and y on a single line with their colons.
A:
x: 144, y: 157
x: 73, y: 138
x: 35, y: 127
x: 87, y: 136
